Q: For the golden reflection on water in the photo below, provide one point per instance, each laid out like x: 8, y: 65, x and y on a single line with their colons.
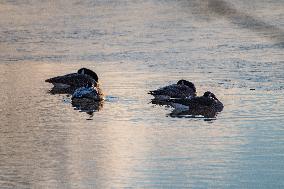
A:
x: 49, y: 135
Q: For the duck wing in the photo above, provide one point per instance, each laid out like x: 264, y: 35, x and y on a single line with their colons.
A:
x: 206, y: 103
x: 81, y: 92
x: 193, y: 102
x: 174, y: 91
x: 73, y: 80
x: 88, y: 93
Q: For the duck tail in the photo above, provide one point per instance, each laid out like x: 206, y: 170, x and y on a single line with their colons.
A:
x: 153, y: 93
x: 54, y: 79
x: 48, y: 80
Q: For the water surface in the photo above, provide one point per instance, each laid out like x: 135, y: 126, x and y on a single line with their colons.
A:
x: 232, y: 48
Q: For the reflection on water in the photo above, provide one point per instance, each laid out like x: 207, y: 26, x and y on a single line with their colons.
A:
x: 88, y: 106
x: 193, y: 114
x: 189, y: 114
x: 135, y: 47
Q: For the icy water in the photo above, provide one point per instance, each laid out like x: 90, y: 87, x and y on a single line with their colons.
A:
x: 232, y: 48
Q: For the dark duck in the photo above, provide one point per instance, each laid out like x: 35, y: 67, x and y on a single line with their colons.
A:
x: 182, y: 89
x: 70, y: 82
x: 88, y: 93
x: 207, y: 105
x: 87, y: 99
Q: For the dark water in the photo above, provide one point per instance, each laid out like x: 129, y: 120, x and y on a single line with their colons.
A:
x: 232, y: 48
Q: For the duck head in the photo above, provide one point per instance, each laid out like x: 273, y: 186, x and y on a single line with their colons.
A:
x: 187, y: 83
x: 209, y: 94
x: 89, y: 72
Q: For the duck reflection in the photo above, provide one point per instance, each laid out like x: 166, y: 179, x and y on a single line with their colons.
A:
x: 193, y: 114
x: 87, y: 105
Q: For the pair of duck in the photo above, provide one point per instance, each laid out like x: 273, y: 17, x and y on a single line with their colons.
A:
x: 182, y: 96
x: 85, y: 85
x: 82, y: 85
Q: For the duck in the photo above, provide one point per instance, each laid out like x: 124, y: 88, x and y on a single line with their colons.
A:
x: 70, y: 82
x: 183, y: 89
x: 89, y: 93
x: 207, y: 105
x: 88, y: 99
